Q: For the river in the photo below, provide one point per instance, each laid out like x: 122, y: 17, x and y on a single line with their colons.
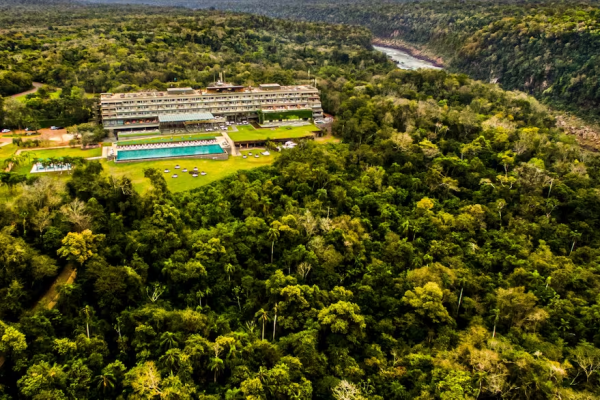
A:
x: 405, y: 60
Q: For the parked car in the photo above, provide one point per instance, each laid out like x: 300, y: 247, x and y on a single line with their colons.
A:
x: 5, y: 130
x: 55, y: 128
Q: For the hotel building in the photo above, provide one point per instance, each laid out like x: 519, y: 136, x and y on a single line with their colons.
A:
x: 179, y: 108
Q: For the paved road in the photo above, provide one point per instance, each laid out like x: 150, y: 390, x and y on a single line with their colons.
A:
x: 36, y: 86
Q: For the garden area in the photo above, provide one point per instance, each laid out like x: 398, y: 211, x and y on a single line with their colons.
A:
x: 250, y: 133
x: 25, y: 167
x: 215, y: 169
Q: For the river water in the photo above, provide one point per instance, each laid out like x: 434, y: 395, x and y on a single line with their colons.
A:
x: 405, y: 60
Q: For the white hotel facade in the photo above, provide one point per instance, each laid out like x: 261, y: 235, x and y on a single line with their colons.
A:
x: 180, y: 107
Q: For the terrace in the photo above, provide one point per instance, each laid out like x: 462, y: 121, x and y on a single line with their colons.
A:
x: 248, y: 133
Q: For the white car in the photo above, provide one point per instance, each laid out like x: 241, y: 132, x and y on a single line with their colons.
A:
x: 5, y: 130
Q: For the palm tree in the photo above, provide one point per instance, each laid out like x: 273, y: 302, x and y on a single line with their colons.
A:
x: 87, y: 311
x: 267, y: 204
x: 274, y: 321
x: 106, y: 380
x: 264, y: 317
x: 216, y: 365
x: 406, y: 227
x: 202, y: 294
x: 171, y: 359
x: 228, y: 270
x: 273, y: 236
x: 263, y: 375
x: 236, y: 293
x: 169, y: 340
x: 18, y: 160
x: 497, y: 313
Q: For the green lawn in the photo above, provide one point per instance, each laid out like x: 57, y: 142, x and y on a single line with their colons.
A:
x: 170, y: 139
x: 55, y: 153
x: 66, y: 152
x: 215, y: 170
x: 7, y: 151
x: 248, y: 132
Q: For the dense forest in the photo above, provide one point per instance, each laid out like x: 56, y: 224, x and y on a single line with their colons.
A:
x: 97, y: 50
x: 446, y: 249
x: 544, y: 47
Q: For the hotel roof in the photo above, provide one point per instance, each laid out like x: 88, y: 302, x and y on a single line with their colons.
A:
x: 202, y: 92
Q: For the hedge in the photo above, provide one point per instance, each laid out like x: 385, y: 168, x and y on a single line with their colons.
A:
x: 277, y: 115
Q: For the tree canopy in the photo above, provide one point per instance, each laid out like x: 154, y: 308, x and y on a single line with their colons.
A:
x: 447, y: 248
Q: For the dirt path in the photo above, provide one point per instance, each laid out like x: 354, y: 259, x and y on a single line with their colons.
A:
x: 36, y: 86
x: 50, y: 298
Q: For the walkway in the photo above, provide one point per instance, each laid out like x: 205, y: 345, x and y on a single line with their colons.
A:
x: 36, y: 86
x: 234, y: 150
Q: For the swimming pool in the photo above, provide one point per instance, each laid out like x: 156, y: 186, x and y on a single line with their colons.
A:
x: 164, y: 152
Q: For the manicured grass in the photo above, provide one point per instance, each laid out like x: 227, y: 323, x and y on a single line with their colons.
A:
x: 170, y: 139
x: 7, y: 151
x: 66, y: 152
x: 55, y: 153
x: 215, y: 170
x: 248, y: 133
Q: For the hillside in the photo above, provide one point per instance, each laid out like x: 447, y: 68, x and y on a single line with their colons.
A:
x: 546, y: 48
x: 447, y: 248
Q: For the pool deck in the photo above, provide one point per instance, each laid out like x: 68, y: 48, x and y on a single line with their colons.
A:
x: 221, y: 142
x: 215, y: 156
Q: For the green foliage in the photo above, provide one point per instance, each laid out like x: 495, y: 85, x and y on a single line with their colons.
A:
x: 446, y: 249
x: 284, y: 115
x: 13, y: 82
x: 546, y: 48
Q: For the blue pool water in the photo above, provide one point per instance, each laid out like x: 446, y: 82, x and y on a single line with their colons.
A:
x: 187, y: 151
